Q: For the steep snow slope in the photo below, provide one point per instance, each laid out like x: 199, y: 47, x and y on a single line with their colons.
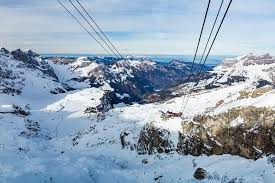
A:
x: 57, y: 140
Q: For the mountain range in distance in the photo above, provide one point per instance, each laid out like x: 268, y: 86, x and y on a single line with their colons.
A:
x: 212, y: 59
x: 104, y: 119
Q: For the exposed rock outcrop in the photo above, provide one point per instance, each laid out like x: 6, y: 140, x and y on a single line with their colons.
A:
x: 80, y: 134
x: 254, y: 93
x: 154, y: 140
x: 26, y: 57
x: 30, y: 58
x: 33, y: 130
x: 4, y: 50
x: 106, y: 103
x: 10, y: 82
x: 200, y: 174
x: 247, y: 131
x: 16, y: 110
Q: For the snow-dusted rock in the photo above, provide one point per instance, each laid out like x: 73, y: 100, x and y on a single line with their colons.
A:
x: 154, y: 140
x: 247, y: 131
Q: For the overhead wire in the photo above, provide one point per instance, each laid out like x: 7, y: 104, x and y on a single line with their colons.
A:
x: 216, y: 35
x: 117, y: 53
x: 83, y: 27
x: 201, y: 68
x: 202, y: 28
x: 93, y: 28
x: 197, y: 48
x: 93, y: 20
x: 211, y: 32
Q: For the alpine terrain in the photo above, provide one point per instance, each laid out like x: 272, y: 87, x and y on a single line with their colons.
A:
x: 94, y: 119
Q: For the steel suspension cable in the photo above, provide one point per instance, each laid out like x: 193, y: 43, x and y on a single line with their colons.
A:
x: 83, y: 27
x: 197, y: 48
x: 216, y: 34
x: 202, y: 28
x: 210, y: 35
x: 201, y: 68
x: 93, y: 20
x: 93, y: 28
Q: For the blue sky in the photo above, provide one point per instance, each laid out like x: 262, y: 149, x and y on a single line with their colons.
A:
x: 138, y: 26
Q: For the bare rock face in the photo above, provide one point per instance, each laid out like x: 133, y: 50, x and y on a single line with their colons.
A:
x: 4, y: 50
x: 254, y: 93
x: 154, y: 140
x: 195, y: 140
x: 106, y: 103
x: 247, y: 132
x: 10, y: 82
x: 200, y: 174
x: 27, y: 58
x: 33, y: 130
x: 126, y: 138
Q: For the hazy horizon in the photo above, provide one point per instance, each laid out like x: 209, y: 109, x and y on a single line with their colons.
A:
x: 212, y: 59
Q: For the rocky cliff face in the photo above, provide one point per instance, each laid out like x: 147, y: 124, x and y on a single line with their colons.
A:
x: 154, y: 140
x: 246, y: 131
x: 107, y: 102
x: 30, y: 59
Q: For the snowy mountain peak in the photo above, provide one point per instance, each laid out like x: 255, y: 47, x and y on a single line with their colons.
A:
x: 82, y: 62
x: 135, y: 63
x: 132, y: 57
x: 251, y: 68
x: 249, y: 59
x: 31, y: 53
x: 177, y: 63
x: 4, y: 50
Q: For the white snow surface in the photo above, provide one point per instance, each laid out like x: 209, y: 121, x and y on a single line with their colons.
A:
x: 250, y: 66
x: 98, y: 156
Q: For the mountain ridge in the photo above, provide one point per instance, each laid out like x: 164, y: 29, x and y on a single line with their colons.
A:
x: 63, y: 118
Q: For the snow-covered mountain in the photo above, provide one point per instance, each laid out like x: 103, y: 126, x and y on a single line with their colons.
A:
x: 130, y: 78
x: 61, y: 120
x: 250, y: 70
